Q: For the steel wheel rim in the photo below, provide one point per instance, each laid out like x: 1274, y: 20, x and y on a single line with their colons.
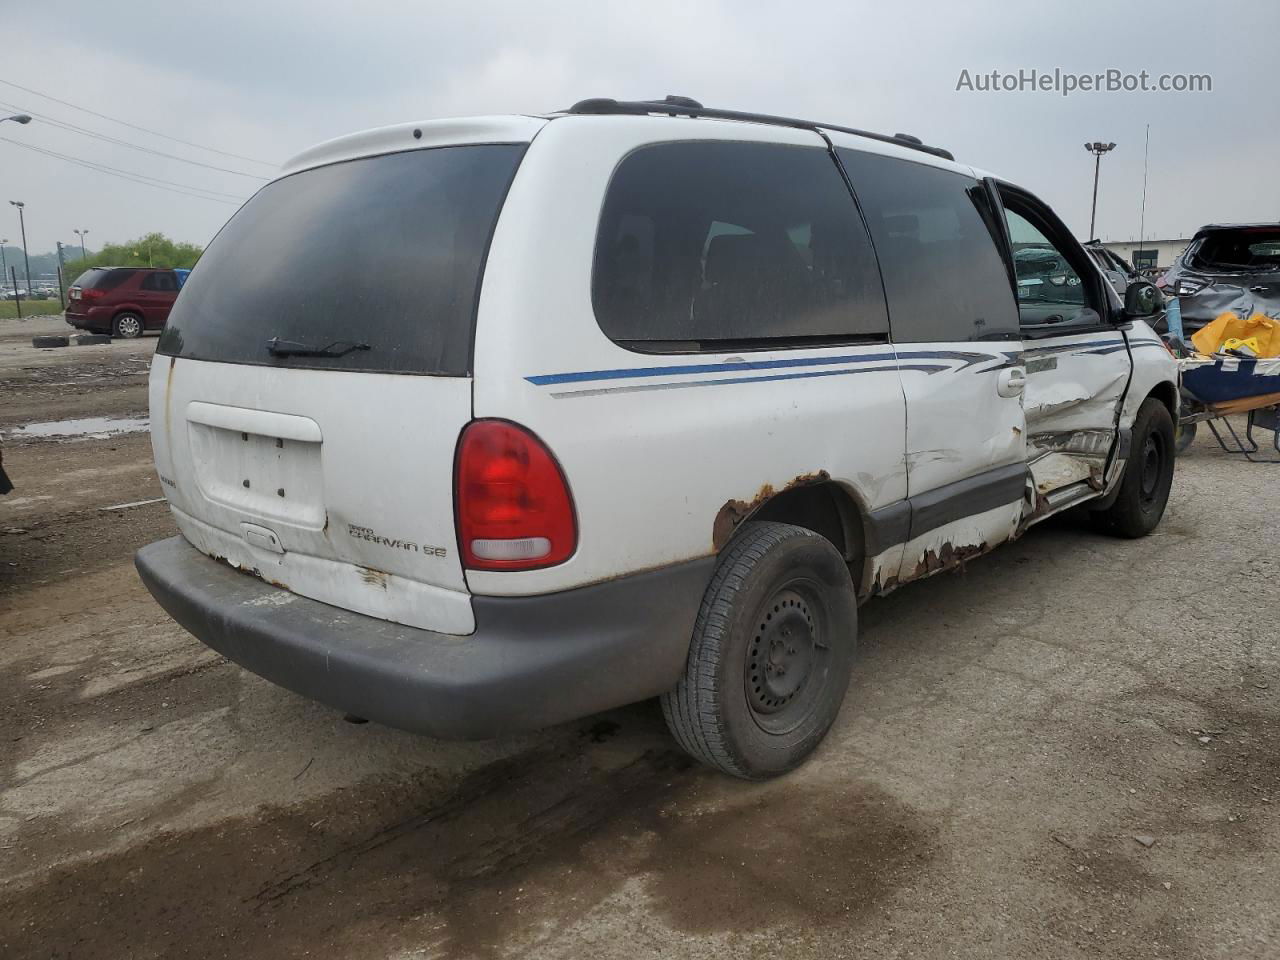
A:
x: 129, y: 326
x: 786, y: 657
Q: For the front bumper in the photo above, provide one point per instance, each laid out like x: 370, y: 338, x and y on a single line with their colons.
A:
x: 532, y: 661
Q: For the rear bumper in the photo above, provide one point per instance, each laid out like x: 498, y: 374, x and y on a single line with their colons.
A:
x: 532, y: 661
x: 95, y: 319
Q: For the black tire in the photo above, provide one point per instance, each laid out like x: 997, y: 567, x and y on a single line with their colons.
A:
x: 1186, y: 434
x: 54, y: 341
x: 128, y: 326
x: 1144, y: 488
x: 90, y: 339
x: 771, y: 653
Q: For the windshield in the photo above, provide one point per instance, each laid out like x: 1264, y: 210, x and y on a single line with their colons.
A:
x: 385, y: 251
x: 1241, y: 249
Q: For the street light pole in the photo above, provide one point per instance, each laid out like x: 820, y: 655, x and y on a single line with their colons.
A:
x: 62, y: 300
x: 1097, y: 148
x: 4, y: 265
x: 17, y: 118
x: 22, y: 225
x: 81, y: 234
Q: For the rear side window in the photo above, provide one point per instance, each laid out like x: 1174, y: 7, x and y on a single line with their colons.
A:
x: 374, y: 263
x: 102, y: 279
x: 163, y: 282
x: 943, y: 272
x: 714, y: 245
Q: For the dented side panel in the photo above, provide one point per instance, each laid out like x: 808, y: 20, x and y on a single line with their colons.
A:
x: 1072, y: 397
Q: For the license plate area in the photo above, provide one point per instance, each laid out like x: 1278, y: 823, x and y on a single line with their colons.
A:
x: 270, y: 472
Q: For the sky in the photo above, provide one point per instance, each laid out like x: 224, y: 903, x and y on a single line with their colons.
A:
x: 266, y: 79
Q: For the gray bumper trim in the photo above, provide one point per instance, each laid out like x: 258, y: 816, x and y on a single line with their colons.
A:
x: 532, y: 661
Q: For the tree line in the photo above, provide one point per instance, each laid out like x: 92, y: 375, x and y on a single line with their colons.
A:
x: 149, y: 250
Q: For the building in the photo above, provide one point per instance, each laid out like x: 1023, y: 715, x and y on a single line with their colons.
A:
x: 1148, y: 253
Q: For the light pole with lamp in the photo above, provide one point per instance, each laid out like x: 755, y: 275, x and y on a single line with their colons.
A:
x: 1097, y: 148
x: 82, y: 234
x: 17, y: 118
x: 22, y: 225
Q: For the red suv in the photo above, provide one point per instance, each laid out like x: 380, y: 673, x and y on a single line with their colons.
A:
x: 122, y: 301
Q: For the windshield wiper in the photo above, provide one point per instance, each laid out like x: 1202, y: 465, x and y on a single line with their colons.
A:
x: 291, y: 348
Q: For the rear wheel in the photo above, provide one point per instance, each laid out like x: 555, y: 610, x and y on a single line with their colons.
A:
x: 1144, y: 489
x: 128, y: 326
x: 771, y: 654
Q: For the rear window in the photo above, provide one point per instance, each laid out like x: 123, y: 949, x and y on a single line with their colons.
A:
x: 102, y: 279
x: 375, y: 261
x: 707, y: 246
x: 1241, y: 249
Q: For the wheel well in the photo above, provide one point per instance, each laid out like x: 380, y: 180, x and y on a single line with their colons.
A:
x: 1167, y: 394
x: 827, y: 509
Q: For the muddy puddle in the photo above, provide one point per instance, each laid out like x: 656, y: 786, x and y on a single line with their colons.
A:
x: 86, y: 428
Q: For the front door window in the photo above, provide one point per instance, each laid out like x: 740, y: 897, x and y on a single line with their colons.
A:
x: 1050, y: 290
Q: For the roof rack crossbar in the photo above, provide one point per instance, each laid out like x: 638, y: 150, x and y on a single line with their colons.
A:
x: 674, y: 106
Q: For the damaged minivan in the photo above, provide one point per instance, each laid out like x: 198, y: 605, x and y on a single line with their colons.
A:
x: 476, y: 426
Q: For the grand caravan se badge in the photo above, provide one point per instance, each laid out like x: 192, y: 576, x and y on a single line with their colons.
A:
x: 395, y: 543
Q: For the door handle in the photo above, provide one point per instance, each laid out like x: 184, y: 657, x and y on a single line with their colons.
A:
x: 1011, y: 382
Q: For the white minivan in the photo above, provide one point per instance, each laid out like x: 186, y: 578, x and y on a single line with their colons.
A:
x: 474, y: 426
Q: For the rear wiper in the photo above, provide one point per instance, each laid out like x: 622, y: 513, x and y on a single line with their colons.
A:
x: 291, y: 348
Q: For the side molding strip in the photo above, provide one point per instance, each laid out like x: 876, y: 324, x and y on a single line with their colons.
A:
x: 907, y: 519
x: 964, y: 498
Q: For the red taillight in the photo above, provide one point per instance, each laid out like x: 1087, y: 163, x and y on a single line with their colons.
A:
x: 90, y: 293
x: 513, y: 504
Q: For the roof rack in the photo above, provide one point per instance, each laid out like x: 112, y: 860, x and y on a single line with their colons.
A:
x: 674, y: 106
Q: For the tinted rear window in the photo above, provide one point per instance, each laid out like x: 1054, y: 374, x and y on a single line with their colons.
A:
x: 385, y: 251
x: 936, y: 237
x: 707, y: 245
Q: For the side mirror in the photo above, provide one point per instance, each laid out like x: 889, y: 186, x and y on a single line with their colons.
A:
x: 1142, y: 299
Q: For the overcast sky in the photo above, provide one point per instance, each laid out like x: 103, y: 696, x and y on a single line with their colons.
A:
x: 268, y: 78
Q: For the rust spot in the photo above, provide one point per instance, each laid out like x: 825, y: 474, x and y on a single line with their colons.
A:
x: 734, y: 512
x: 1017, y: 431
x: 374, y: 578
x: 888, y: 586
x: 948, y: 557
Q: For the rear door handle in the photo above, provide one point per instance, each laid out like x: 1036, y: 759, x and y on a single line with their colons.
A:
x: 1011, y: 382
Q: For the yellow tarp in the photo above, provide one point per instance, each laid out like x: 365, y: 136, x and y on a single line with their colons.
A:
x: 1209, y: 338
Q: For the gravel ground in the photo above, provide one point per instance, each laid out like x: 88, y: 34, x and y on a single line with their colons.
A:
x: 1071, y: 749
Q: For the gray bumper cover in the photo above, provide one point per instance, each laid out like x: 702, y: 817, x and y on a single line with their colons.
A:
x: 532, y: 661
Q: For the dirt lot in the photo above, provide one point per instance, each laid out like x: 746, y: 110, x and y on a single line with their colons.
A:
x: 1071, y: 749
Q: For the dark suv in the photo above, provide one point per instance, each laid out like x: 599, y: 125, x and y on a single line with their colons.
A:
x: 122, y: 301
